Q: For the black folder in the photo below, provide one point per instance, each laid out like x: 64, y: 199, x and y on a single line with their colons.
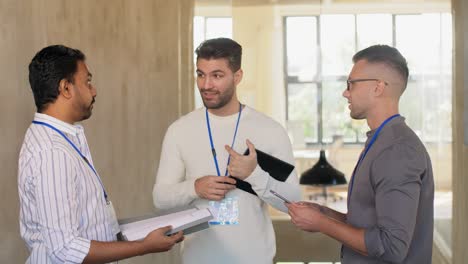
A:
x: 278, y: 169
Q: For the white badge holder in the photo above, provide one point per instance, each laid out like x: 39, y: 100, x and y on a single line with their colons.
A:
x: 112, y: 218
x: 225, y: 212
x: 112, y: 221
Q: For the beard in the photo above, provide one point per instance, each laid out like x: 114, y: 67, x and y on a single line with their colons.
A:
x: 222, y: 100
x: 88, y: 110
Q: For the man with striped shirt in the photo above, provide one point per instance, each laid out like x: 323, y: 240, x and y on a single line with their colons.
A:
x: 65, y: 214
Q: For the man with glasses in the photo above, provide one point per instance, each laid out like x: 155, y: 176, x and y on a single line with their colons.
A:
x: 391, y: 192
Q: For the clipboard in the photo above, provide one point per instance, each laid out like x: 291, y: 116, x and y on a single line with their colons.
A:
x: 276, y: 168
x: 189, y: 220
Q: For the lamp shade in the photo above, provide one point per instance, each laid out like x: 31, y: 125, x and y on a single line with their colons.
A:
x: 322, y: 173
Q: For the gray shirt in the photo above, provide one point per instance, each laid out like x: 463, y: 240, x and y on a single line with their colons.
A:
x: 393, y: 199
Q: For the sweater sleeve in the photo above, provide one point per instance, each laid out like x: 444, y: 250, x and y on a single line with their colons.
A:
x: 171, y: 189
x: 262, y: 182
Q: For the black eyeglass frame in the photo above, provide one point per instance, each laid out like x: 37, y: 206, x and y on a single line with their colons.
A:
x: 352, y: 81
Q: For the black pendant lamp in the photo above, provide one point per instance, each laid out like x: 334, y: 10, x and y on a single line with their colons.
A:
x: 322, y: 174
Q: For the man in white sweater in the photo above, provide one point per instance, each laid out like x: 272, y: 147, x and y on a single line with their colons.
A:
x: 204, y: 146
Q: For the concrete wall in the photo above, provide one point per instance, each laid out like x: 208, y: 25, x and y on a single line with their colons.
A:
x: 460, y: 149
x: 140, y: 53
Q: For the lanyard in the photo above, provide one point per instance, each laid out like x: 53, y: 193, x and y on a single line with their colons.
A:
x: 364, y: 153
x: 213, y: 150
x: 77, y: 150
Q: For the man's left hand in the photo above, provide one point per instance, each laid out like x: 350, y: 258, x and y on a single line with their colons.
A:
x: 241, y: 166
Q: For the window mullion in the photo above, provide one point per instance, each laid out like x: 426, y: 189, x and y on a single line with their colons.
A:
x: 319, y: 80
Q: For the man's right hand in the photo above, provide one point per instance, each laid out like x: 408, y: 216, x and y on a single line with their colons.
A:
x: 158, y: 241
x: 214, y: 188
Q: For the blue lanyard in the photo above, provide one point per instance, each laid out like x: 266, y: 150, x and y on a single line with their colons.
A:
x: 364, y: 153
x: 213, y: 150
x: 77, y: 150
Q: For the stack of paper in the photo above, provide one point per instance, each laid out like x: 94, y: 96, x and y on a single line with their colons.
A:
x: 179, y: 221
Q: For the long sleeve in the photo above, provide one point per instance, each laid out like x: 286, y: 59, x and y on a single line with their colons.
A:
x: 396, y: 178
x: 262, y: 182
x: 56, y: 199
x: 171, y: 188
x: 187, y: 155
x: 62, y: 203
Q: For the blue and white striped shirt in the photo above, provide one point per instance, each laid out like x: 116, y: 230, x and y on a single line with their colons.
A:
x: 62, y: 204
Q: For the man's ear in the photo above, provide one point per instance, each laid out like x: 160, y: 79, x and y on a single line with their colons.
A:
x: 379, y: 88
x: 65, y: 88
x: 238, y: 76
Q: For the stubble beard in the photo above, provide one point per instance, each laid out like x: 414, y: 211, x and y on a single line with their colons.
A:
x: 224, y: 99
x: 88, y: 111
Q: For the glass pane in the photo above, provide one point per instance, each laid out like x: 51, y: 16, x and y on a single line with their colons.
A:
x: 366, y: 30
x: 427, y: 102
x: 427, y: 106
x: 427, y: 109
x: 198, y: 31
x: 438, y: 109
x: 217, y: 27
x: 337, y: 43
x: 336, y: 119
x: 424, y: 51
x: 411, y: 107
x: 406, y: 43
x: 302, y: 106
x: 446, y: 39
x: 301, y: 48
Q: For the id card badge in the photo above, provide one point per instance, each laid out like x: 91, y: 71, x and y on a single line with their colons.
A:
x: 112, y: 218
x: 225, y: 212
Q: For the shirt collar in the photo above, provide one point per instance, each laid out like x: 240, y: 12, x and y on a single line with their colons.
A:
x: 396, y: 120
x: 59, y: 124
x: 232, y: 117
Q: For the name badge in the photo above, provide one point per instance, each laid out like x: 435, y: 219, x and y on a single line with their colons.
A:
x: 112, y: 218
x: 225, y: 212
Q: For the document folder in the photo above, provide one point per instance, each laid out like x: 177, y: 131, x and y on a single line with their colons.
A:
x: 187, y: 220
x: 278, y: 169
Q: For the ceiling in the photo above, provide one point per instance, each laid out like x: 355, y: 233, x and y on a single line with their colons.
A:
x: 302, y: 2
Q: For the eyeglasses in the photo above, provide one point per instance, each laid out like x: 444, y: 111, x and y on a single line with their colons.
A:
x: 349, y: 82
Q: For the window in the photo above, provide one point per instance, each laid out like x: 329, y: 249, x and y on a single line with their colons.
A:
x: 318, y: 60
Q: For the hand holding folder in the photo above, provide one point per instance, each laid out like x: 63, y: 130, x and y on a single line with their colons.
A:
x: 276, y: 168
x: 242, y: 165
x: 190, y: 220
